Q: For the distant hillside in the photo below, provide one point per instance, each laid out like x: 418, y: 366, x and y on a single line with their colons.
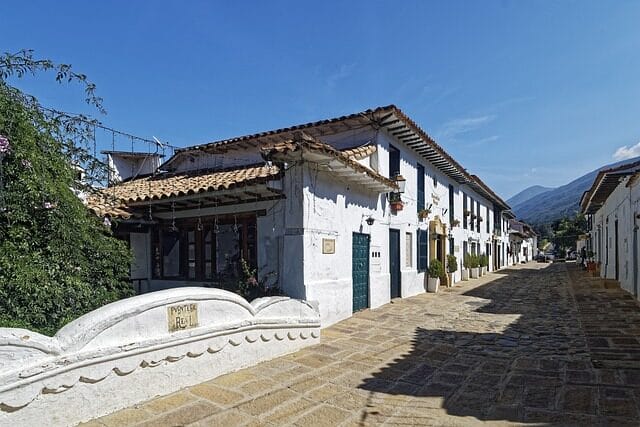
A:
x: 526, y: 194
x: 551, y: 205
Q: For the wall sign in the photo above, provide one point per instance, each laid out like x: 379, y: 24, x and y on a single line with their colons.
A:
x: 181, y: 317
x: 328, y: 246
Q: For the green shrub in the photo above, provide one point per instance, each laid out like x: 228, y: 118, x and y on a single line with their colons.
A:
x: 483, y: 260
x: 452, y: 263
x: 466, y: 261
x: 435, y: 269
x: 251, y: 288
x: 57, y: 261
x: 474, y: 261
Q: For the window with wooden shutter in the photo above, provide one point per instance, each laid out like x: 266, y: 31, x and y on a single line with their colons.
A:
x: 423, y: 243
x: 420, y: 187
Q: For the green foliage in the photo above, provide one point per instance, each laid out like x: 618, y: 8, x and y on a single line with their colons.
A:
x: 452, y: 263
x: 251, y: 288
x: 466, y: 261
x: 483, y: 261
x: 435, y: 269
x: 567, y: 230
x: 57, y: 261
x: 474, y: 261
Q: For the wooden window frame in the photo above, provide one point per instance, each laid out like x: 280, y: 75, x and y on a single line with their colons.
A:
x: 247, y: 223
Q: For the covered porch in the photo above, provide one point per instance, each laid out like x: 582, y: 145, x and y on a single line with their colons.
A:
x: 199, y: 228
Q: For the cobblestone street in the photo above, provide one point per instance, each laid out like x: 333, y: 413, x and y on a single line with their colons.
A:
x: 538, y: 343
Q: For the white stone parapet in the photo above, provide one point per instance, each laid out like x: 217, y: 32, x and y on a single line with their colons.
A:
x: 135, y: 349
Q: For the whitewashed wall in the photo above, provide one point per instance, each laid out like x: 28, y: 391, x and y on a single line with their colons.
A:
x: 123, y: 167
x: 334, y: 209
x: 623, y: 204
x: 125, y: 352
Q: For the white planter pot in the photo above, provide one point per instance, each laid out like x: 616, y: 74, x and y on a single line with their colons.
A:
x: 433, y: 284
x: 451, y: 279
x: 475, y: 272
x: 465, y: 274
x: 484, y: 271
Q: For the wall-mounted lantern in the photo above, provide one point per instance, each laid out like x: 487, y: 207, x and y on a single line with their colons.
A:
x: 400, y: 182
x: 370, y: 221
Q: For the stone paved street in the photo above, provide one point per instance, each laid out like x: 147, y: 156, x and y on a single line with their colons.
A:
x: 537, y: 343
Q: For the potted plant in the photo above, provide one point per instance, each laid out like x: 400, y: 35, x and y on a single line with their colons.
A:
x: 473, y: 216
x: 455, y: 223
x: 452, y: 267
x: 435, y: 271
x: 483, y: 262
x: 395, y: 201
x: 475, y: 266
x: 423, y: 214
x: 591, y: 266
x: 467, y: 212
x: 466, y: 263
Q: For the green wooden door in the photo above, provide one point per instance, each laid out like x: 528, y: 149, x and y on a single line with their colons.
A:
x: 360, y: 271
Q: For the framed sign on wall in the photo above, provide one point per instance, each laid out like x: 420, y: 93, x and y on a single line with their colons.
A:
x: 328, y: 246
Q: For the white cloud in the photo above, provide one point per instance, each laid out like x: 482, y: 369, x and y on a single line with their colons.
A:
x: 464, y: 125
x: 625, y: 152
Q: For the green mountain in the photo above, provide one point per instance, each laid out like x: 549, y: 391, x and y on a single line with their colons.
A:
x: 548, y: 206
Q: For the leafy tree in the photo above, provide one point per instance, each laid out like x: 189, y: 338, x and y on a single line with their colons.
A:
x: 57, y: 261
x: 566, y: 231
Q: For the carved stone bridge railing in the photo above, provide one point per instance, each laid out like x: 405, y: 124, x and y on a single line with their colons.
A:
x: 145, y: 346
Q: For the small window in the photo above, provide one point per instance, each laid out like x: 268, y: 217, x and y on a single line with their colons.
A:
x: 409, y: 250
x: 423, y: 241
x: 435, y: 181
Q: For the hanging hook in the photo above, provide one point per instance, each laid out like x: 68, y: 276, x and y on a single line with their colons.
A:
x: 199, y: 226
x: 173, y: 217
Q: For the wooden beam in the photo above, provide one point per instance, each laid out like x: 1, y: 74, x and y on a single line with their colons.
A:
x: 390, y: 122
x: 402, y: 132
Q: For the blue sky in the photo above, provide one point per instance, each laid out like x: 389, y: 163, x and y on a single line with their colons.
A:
x: 521, y: 93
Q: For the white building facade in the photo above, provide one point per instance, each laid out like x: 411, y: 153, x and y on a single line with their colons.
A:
x: 612, y: 208
x: 523, y: 242
x: 348, y: 212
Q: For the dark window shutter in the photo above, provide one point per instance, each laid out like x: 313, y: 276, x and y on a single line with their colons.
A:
x: 423, y: 241
x: 420, y: 187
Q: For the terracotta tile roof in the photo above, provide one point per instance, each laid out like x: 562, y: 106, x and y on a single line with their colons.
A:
x: 388, y: 117
x: 361, y: 152
x: 103, y: 204
x: 347, y: 157
x: 113, y: 200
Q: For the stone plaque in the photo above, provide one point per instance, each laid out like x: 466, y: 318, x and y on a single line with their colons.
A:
x: 328, y: 246
x: 184, y: 316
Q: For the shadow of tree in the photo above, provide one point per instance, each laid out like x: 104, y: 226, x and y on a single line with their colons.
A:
x: 534, y: 369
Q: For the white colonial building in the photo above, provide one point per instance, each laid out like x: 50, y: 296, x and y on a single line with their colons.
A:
x: 347, y: 212
x: 523, y: 242
x: 612, y: 207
